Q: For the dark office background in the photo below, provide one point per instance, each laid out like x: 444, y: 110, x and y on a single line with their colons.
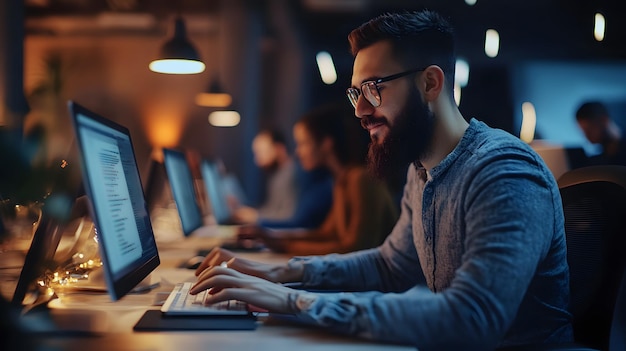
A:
x: 263, y: 53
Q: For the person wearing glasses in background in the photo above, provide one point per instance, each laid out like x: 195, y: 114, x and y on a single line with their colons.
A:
x: 477, y: 260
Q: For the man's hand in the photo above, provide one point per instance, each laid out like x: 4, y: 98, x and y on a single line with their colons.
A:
x: 272, y: 272
x: 246, y: 215
x: 228, y: 284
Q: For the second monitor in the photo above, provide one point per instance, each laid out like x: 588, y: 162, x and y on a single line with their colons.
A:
x: 182, y: 185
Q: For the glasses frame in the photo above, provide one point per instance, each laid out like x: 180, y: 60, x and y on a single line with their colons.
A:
x: 375, y: 100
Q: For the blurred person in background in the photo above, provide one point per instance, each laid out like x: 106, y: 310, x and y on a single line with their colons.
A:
x: 363, y: 211
x: 594, y: 120
x: 271, y: 155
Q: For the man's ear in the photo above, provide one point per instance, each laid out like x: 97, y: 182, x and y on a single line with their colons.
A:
x: 432, y: 82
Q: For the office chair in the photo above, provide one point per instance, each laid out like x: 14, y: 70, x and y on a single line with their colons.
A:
x: 618, y: 327
x: 594, y: 205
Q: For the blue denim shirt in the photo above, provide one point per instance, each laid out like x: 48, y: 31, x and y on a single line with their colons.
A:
x: 477, y: 259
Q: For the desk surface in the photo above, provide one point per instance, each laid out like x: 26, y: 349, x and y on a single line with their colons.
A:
x: 113, y: 321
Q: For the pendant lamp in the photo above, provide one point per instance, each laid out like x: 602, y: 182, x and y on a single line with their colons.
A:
x: 215, y: 96
x: 178, y: 56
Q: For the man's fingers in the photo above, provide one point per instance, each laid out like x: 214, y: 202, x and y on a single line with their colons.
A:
x: 240, y: 294
x: 245, y: 266
x: 217, y: 270
x: 215, y: 280
x: 214, y: 258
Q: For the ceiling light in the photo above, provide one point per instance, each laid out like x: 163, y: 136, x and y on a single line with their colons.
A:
x: 599, y: 26
x: 224, y: 118
x: 462, y: 71
x: 492, y: 42
x: 326, y: 67
x: 178, y: 56
x: 215, y: 97
x: 529, y: 121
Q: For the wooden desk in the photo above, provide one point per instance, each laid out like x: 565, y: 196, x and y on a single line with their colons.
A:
x: 114, y: 321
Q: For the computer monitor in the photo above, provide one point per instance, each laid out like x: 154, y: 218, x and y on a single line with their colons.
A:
x: 156, y: 187
x: 182, y: 185
x: 116, y: 201
x: 43, y: 245
x: 217, y: 197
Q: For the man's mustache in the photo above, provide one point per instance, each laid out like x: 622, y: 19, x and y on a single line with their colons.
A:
x: 368, y: 120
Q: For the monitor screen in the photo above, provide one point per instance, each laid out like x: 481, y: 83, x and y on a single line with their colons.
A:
x: 118, y: 208
x: 182, y: 185
x: 215, y: 192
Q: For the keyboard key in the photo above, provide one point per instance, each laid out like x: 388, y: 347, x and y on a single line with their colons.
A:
x: 180, y: 302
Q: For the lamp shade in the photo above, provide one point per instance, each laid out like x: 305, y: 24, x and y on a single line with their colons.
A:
x: 228, y: 118
x: 178, y: 56
x: 215, y: 97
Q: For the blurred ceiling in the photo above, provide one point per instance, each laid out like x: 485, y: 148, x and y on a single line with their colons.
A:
x: 529, y: 29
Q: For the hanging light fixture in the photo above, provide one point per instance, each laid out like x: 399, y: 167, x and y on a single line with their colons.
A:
x: 224, y: 118
x: 214, y: 97
x: 178, y: 56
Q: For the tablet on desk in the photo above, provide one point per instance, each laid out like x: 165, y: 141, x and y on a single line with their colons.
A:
x: 154, y: 320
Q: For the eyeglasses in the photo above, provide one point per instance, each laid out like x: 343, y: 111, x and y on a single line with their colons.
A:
x: 370, y: 91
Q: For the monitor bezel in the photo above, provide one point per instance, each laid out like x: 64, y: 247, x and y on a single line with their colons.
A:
x: 45, y: 241
x: 212, y: 184
x: 140, y: 269
x: 187, y: 228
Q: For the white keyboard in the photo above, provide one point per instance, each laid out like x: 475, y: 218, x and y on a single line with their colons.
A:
x: 181, y: 303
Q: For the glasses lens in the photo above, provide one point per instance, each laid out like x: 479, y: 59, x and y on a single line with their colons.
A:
x: 370, y: 91
x: 353, y: 96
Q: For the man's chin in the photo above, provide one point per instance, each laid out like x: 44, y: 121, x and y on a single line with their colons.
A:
x: 377, y: 139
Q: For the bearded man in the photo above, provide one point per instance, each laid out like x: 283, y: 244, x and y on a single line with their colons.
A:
x: 477, y: 260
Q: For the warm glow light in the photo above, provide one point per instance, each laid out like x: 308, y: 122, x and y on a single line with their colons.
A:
x: 457, y: 94
x: 462, y: 72
x: 492, y: 42
x: 224, y: 118
x: 177, y: 66
x: 213, y: 100
x: 165, y: 132
x: 4, y: 119
x: 599, y: 27
x: 470, y: 2
x: 163, y: 124
x: 327, y: 67
x: 529, y: 121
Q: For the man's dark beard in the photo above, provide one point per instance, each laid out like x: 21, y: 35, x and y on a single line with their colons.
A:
x: 408, y: 140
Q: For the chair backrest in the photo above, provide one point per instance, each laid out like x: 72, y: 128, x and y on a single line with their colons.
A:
x: 594, y: 205
x: 618, y: 328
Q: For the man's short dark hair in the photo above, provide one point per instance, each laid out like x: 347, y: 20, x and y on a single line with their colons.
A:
x: 591, y: 110
x: 419, y: 39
